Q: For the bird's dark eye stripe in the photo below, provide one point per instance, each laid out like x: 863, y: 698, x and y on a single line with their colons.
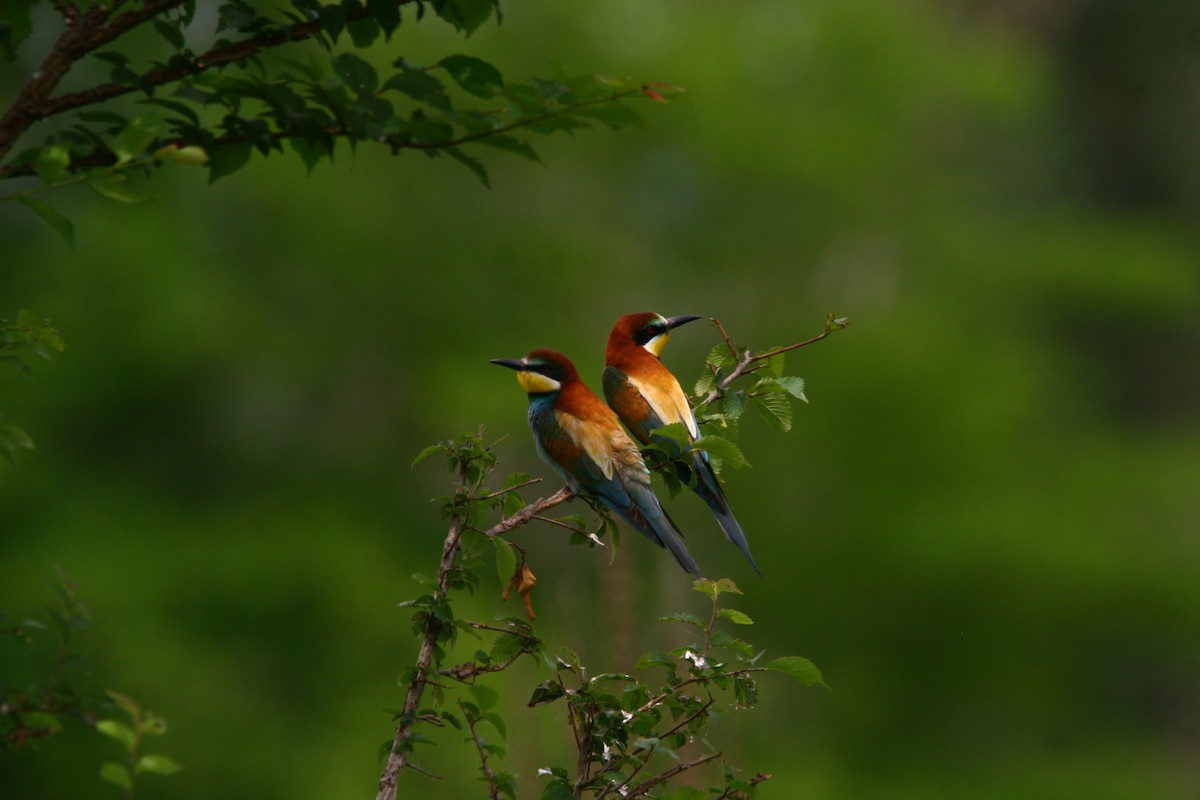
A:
x: 651, y: 330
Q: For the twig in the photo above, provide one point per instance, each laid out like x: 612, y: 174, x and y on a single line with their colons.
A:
x: 499, y: 492
x: 525, y: 514
x: 650, y: 751
x: 398, y: 756
x: 488, y: 775
x: 663, y: 777
x: 746, y: 361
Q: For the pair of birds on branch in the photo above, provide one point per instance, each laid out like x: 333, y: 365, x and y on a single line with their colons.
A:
x: 581, y: 437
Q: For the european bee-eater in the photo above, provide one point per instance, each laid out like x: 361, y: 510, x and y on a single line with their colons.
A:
x: 581, y: 438
x: 646, y: 396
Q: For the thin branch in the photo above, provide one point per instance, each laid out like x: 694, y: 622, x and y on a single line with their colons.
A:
x: 663, y: 777
x: 528, y: 512
x: 746, y: 361
x: 499, y: 492
x: 725, y: 336
x: 488, y: 776
x: 620, y: 789
x: 398, y: 756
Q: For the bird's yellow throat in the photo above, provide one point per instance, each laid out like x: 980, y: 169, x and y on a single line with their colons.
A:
x: 536, y: 383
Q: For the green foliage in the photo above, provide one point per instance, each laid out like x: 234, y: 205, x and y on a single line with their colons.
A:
x: 629, y: 730
x: 222, y: 106
x: 129, y: 729
x: 32, y: 334
x: 718, y: 407
x: 46, y: 688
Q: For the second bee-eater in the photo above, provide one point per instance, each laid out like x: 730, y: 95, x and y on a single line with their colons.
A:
x: 646, y: 396
x: 582, y: 439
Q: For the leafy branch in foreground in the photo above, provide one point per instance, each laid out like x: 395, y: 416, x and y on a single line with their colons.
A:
x: 240, y: 93
x: 46, y: 687
x: 33, y: 334
x: 719, y: 405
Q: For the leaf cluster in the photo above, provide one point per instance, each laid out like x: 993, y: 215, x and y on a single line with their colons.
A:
x: 631, y: 732
x: 29, y: 334
x: 257, y: 89
x: 46, y: 686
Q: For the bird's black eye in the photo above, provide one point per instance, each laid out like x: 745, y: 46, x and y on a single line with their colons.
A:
x: 647, y: 333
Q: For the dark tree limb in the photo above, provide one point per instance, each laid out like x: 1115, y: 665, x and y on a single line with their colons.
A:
x: 86, y: 32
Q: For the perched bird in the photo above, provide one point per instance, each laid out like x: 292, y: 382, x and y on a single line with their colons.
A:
x: 646, y: 396
x: 581, y: 438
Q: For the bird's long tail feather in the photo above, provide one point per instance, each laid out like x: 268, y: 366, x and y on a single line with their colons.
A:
x: 710, y: 491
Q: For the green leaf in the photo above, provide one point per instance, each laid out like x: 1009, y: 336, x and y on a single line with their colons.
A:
x: 470, y: 163
x: 735, y: 404
x: 506, y: 560
x: 114, y: 186
x: 171, y: 32
x: 61, y: 225
x: 557, y: 789
x: 427, y: 452
x: 722, y: 448
x: 15, y: 26
x: 511, y: 144
x: 125, y: 703
x: 656, y: 659
x: 545, y: 692
x: 333, y: 20
x: 117, y: 730
x: 13, y: 439
x: 799, y: 668
x: 358, y: 74
x: 682, y: 616
x: 465, y: 15
x: 485, y: 696
x: 363, y: 32
x: 136, y: 136
x: 714, y: 589
x: 420, y: 86
x: 227, y: 159
x: 793, y: 386
x: 733, y: 615
x: 52, y: 163
x: 774, y: 404
x: 497, y: 722
x: 116, y: 773
x: 387, y: 14
x: 676, y: 432
x: 474, y: 75
x: 160, y: 765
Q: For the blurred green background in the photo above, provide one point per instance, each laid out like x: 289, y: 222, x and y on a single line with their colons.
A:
x: 983, y: 528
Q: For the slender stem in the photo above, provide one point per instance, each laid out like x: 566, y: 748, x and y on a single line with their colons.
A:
x: 528, y: 512
x: 398, y: 757
x: 488, y: 776
x: 620, y: 789
x: 499, y: 492
x: 746, y: 362
x: 663, y: 777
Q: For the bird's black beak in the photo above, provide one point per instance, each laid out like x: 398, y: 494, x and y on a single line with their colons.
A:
x: 675, y: 322
x: 511, y: 363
